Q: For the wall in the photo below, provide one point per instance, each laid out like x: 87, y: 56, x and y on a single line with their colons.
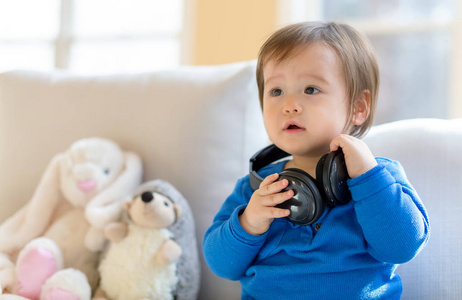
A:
x: 230, y: 31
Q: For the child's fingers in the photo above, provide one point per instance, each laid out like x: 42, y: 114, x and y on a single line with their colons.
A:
x: 278, y: 198
x: 358, y: 156
x: 269, y: 186
x: 269, y: 213
x: 269, y: 179
x: 276, y: 213
x: 341, y: 141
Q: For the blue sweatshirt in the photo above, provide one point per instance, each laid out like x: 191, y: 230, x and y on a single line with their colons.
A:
x: 351, y: 252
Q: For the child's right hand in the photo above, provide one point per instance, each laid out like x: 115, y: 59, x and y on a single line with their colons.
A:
x: 261, y: 210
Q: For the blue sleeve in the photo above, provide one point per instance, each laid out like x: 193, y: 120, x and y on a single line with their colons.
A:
x: 228, y: 249
x: 392, y: 216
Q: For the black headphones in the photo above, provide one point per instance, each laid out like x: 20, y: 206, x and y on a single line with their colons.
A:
x: 311, y: 196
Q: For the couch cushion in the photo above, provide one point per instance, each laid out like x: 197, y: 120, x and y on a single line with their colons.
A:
x: 430, y: 152
x: 195, y: 127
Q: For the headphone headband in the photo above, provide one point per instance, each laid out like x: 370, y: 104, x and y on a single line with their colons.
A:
x: 262, y: 158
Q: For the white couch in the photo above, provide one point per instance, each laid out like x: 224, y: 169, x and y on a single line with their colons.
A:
x: 196, y: 127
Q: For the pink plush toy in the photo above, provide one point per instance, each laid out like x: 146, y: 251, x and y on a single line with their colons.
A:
x: 56, y: 239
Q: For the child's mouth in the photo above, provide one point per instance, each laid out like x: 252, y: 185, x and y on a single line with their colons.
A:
x: 292, y: 127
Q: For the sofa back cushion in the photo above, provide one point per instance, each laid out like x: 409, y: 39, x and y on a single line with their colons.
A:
x: 195, y: 127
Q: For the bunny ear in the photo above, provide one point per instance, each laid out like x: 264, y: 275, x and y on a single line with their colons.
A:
x: 31, y: 220
x: 107, y: 206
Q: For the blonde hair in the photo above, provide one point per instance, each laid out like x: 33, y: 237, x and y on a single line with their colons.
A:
x: 359, y: 64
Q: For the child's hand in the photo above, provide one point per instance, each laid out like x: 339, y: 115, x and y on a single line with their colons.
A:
x: 261, y: 210
x: 358, y: 156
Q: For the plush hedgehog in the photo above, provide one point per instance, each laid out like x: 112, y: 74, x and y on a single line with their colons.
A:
x: 153, y: 254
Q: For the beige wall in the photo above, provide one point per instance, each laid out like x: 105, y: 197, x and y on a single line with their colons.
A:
x: 227, y: 31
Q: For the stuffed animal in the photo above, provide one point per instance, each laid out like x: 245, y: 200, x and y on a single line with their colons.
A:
x: 69, y: 284
x: 56, y: 239
x: 153, y: 254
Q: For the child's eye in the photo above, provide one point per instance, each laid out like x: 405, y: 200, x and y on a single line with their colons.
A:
x: 311, y: 90
x: 276, y: 92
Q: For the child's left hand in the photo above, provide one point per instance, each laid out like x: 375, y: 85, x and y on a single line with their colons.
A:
x: 358, y: 156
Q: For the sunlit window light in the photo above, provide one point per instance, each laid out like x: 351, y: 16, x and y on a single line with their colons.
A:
x: 91, y: 37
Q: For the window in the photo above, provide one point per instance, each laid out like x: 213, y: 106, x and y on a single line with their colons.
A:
x: 91, y: 37
x: 417, y: 48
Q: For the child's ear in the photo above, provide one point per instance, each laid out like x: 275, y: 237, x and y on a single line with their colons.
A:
x: 361, y: 108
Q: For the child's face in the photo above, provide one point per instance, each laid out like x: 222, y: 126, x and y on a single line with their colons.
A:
x: 305, y: 103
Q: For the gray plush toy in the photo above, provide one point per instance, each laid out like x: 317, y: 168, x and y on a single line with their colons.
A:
x: 153, y: 254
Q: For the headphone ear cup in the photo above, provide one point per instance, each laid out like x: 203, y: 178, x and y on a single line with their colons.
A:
x: 334, y: 179
x: 320, y: 174
x: 307, y: 205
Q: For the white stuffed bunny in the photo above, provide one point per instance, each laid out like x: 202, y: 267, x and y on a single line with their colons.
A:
x: 81, y: 191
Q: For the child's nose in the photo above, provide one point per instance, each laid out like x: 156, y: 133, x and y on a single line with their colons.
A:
x: 292, y: 106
